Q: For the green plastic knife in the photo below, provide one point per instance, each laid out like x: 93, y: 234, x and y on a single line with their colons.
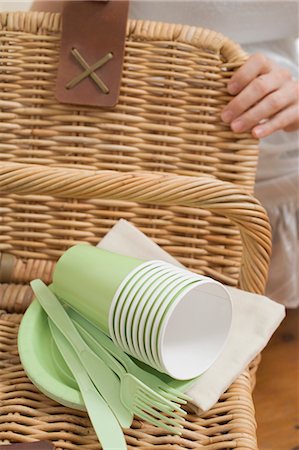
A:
x: 102, y: 418
x: 104, y: 379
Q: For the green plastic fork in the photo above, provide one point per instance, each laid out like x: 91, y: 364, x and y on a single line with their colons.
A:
x: 146, y: 377
x: 135, y: 395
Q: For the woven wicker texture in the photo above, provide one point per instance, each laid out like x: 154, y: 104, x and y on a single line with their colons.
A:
x: 168, y: 117
x: 161, y: 159
x: 27, y: 415
x: 167, y: 120
x: 216, y: 196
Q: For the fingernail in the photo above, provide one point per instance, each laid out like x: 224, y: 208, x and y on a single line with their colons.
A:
x: 227, y: 116
x: 237, y: 125
x: 259, y: 131
x: 233, y: 88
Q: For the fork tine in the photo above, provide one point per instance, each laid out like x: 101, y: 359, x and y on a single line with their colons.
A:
x: 158, y: 415
x: 155, y: 396
x: 178, y: 396
x: 158, y: 423
x: 171, y: 396
x: 162, y: 407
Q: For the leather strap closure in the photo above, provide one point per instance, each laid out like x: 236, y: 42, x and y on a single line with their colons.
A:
x: 92, y: 52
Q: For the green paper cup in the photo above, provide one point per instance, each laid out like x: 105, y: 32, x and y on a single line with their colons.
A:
x: 87, y: 278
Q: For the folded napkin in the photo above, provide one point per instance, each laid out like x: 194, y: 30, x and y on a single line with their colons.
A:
x: 255, y: 318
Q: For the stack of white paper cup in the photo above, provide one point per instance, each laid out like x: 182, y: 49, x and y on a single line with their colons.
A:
x: 170, y: 318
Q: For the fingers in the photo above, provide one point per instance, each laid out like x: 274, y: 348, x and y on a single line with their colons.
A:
x: 266, y: 108
x: 256, y: 65
x: 266, y: 98
x: 292, y: 127
x: 252, y: 93
x: 287, y: 120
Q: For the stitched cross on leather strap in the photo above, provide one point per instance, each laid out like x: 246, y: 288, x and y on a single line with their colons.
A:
x: 91, y: 55
x: 89, y: 71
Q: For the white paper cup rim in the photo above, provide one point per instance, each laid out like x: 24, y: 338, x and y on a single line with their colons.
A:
x: 142, y: 288
x: 194, y: 330
x: 117, y: 296
x: 158, y: 311
x: 143, y: 309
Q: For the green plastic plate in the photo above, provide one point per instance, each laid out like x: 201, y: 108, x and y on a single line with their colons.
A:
x: 46, y: 368
x: 36, y: 348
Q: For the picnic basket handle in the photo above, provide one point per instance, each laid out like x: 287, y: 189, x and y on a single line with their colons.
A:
x: 219, y: 197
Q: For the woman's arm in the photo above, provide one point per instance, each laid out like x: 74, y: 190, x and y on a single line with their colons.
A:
x: 266, y: 98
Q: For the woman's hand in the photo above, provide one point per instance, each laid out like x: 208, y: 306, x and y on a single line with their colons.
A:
x: 266, y: 98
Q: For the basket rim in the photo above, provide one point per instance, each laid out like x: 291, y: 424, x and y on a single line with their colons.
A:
x: 37, y: 22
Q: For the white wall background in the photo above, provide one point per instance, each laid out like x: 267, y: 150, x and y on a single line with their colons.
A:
x: 23, y: 5
x: 13, y: 5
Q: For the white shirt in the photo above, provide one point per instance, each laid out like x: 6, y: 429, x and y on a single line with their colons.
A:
x: 270, y: 27
x: 245, y: 21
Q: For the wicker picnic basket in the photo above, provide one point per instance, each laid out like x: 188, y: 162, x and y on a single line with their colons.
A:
x: 161, y: 159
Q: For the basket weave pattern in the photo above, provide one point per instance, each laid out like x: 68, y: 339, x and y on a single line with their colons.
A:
x: 27, y: 415
x: 168, y: 120
x: 162, y: 159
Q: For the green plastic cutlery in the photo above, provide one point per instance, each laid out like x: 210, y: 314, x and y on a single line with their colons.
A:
x: 114, y: 376
x: 104, y: 379
x: 137, y: 396
x: 103, y: 420
x: 146, y: 377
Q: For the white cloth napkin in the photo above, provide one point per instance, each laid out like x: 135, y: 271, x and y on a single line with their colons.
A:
x: 255, y: 318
